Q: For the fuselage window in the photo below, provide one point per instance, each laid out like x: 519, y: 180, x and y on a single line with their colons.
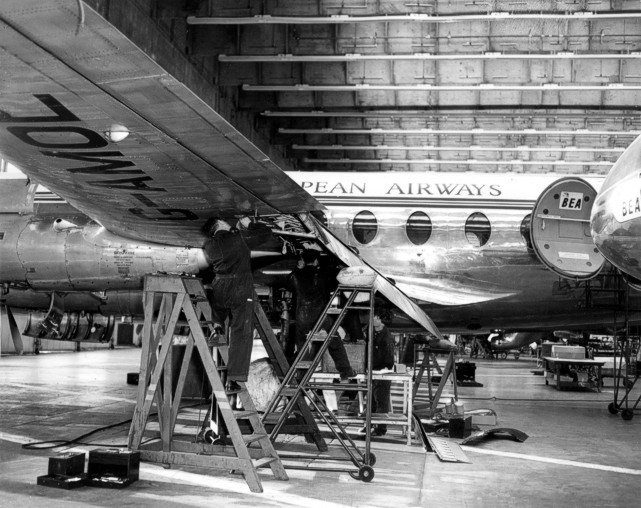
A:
x: 525, y: 231
x: 365, y: 227
x: 478, y: 229
x: 418, y: 228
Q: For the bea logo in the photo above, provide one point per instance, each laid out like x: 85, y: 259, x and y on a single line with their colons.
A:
x: 571, y: 201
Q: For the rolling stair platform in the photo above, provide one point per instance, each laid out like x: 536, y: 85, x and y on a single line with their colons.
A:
x: 298, y: 384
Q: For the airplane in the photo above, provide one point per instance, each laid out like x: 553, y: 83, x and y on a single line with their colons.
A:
x: 443, y: 285
x: 615, y: 221
x: 142, y: 162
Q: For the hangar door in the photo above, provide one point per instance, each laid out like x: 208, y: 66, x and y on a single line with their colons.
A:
x: 560, y: 229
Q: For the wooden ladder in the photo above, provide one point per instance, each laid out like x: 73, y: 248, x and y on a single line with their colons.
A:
x: 184, y: 303
x: 434, y: 397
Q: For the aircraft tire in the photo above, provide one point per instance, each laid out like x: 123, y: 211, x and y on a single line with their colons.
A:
x: 613, y: 409
x: 627, y: 414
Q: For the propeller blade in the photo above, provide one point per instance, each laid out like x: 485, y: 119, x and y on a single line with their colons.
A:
x: 9, y: 321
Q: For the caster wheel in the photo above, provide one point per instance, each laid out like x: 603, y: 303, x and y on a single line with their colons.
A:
x: 209, y: 436
x: 627, y: 414
x: 366, y: 474
x: 612, y: 408
x: 504, y: 356
x: 370, y: 459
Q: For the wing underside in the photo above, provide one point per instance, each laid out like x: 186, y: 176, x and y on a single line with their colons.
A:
x: 89, y: 115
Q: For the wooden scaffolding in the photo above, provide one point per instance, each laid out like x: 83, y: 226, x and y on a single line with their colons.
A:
x: 184, y: 304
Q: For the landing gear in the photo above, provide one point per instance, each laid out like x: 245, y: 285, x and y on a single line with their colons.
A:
x: 613, y: 409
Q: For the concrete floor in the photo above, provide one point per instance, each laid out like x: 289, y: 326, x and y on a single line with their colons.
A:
x: 577, y: 454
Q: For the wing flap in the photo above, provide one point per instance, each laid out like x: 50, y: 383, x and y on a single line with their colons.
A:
x: 447, y: 291
x: 382, y: 284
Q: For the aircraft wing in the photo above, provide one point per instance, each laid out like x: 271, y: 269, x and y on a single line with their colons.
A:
x: 89, y: 115
x: 447, y: 291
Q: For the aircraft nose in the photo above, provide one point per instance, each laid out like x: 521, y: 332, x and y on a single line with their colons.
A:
x: 615, y: 221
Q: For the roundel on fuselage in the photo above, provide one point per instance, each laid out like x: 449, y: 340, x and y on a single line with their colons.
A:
x: 560, y: 229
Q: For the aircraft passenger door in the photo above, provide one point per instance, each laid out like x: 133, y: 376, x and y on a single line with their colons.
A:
x: 560, y: 229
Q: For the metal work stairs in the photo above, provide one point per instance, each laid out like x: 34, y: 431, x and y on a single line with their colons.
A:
x: 298, y: 383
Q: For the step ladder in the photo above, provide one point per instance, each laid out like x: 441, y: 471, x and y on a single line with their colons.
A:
x: 184, y: 303
x: 298, y: 384
x: 434, y: 398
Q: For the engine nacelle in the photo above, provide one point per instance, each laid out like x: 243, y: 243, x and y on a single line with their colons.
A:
x: 56, y: 254
x: 72, y: 326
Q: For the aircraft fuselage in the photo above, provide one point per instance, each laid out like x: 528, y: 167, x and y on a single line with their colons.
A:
x: 458, y: 243
x: 616, y: 215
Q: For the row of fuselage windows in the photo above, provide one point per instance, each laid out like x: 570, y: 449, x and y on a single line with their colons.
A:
x: 418, y: 228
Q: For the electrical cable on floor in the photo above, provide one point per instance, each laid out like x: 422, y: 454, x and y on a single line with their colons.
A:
x: 57, y: 443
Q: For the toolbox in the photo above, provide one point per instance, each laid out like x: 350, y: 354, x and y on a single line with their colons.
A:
x: 460, y: 426
x: 568, y: 352
x: 66, y: 471
x: 112, y: 468
x: 67, y: 464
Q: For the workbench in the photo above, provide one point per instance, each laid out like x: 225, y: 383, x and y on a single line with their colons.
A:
x: 403, y: 419
x: 554, y: 365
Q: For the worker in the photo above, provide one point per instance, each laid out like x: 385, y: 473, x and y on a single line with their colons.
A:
x: 309, y: 284
x: 382, y: 360
x: 233, y: 290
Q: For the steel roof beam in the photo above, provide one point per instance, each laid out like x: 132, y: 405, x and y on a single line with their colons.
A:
x: 457, y: 148
x: 445, y: 112
x: 438, y: 132
x: 484, y: 87
x: 268, y: 19
x: 471, y: 162
x: 353, y: 57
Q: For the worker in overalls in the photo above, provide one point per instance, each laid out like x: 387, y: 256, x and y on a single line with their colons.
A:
x: 382, y: 360
x: 309, y: 284
x: 233, y: 290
